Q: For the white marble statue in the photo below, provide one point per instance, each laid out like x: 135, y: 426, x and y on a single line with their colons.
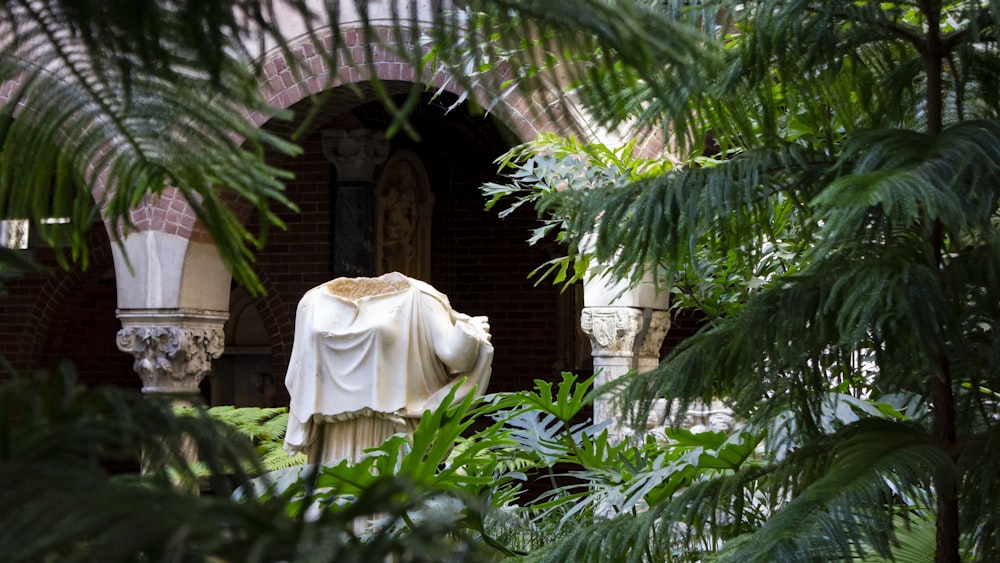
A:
x: 370, y: 356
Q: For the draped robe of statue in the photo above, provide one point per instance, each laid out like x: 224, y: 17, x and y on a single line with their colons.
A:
x: 370, y: 356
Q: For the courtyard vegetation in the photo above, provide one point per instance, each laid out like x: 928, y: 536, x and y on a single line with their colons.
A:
x: 830, y: 203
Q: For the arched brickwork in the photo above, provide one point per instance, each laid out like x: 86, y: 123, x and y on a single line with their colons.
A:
x: 58, y: 289
x: 36, y: 305
x: 279, y: 325
x: 170, y: 214
x: 285, y: 86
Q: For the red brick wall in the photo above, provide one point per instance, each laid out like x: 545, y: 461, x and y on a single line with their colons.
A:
x: 66, y: 315
x: 85, y: 333
x: 480, y: 261
x: 684, y: 323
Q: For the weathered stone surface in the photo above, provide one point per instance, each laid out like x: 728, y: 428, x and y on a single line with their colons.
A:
x: 173, y: 349
x: 370, y: 356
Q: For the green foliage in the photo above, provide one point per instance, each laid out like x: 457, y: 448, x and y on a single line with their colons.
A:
x: 71, y: 490
x: 449, y: 494
x: 832, y: 203
x: 140, y: 99
x: 264, y: 428
x: 543, y: 173
x: 62, y: 499
x: 476, y: 481
x: 832, y: 207
x: 545, y: 48
x: 112, y: 104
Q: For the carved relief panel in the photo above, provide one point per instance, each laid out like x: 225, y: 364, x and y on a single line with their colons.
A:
x: 403, y: 205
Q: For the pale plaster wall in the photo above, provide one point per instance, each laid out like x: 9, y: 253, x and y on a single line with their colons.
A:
x: 600, y: 291
x: 167, y: 271
x: 148, y: 270
x: 205, y: 281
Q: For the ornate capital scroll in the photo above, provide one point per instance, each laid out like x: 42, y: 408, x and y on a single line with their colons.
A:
x: 612, y: 330
x: 173, y: 350
x: 623, y: 339
x: 659, y: 324
x: 355, y: 152
x: 623, y: 331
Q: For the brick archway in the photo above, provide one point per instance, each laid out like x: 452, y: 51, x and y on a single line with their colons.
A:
x: 285, y: 86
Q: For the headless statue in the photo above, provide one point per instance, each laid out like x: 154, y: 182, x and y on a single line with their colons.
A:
x: 370, y: 356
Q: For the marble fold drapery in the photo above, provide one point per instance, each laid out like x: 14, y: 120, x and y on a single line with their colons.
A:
x: 370, y: 356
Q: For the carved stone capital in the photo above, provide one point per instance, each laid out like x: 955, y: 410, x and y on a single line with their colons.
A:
x: 659, y: 324
x: 611, y: 330
x: 171, y: 359
x: 624, y: 331
x: 355, y: 152
x: 173, y: 351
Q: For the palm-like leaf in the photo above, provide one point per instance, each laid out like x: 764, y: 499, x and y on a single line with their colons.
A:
x: 544, y: 47
x: 57, y: 445
x: 119, y: 101
x: 61, y: 501
x: 126, y: 116
x: 862, y: 131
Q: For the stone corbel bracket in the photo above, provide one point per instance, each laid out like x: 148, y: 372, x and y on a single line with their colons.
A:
x: 173, y: 349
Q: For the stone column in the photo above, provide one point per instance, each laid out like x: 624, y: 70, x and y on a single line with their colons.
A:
x: 173, y: 351
x: 173, y: 348
x: 623, y: 339
x: 355, y: 153
x: 626, y: 326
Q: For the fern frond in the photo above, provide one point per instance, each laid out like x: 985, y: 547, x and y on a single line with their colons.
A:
x: 273, y: 457
x: 89, y: 120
